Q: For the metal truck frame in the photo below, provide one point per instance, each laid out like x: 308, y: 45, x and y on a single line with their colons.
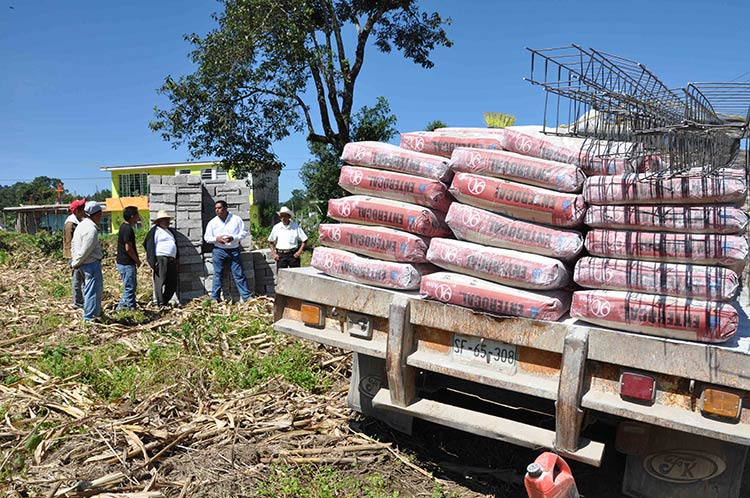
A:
x: 675, y: 446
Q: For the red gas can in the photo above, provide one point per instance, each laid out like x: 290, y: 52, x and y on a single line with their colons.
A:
x: 550, y: 477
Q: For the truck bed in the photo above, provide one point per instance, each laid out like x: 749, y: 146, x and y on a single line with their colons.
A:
x: 573, y: 363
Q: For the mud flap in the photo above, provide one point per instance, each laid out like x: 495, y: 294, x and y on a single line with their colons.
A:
x: 368, y: 376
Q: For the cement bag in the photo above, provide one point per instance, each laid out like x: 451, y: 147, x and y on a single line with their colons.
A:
x: 442, y: 144
x: 393, y: 158
x: 348, y: 266
x: 377, y: 242
x: 497, y: 299
x: 396, y: 186
x: 519, y: 201
x: 503, y: 266
x: 712, y: 283
x: 697, y: 248
x: 387, y: 213
x: 537, y: 145
x: 681, y: 219
x: 647, y: 189
x: 561, y: 177
x: 665, y: 316
x: 490, y: 229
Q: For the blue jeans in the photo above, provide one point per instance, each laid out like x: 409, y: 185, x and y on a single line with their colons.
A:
x: 77, y: 288
x: 219, y: 257
x: 129, y: 284
x: 92, y: 290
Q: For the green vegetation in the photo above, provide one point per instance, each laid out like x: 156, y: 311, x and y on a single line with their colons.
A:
x: 275, y: 67
x: 307, y: 481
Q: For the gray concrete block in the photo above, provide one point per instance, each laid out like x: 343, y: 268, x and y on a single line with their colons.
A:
x: 188, y: 198
x: 160, y: 188
x: 153, y: 180
x: 167, y: 180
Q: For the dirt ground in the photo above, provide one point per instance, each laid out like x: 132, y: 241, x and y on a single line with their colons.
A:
x: 108, y: 410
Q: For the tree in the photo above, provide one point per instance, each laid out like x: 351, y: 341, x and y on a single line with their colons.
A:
x: 434, y: 125
x: 254, y: 73
x: 321, y: 175
x: 40, y: 190
x: 100, y: 195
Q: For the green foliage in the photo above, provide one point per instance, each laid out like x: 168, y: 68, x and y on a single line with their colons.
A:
x: 50, y: 243
x: 434, y: 125
x: 269, y: 62
x: 101, y: 195
x: 307, y: 481
x: 41, y: 190
x: 321, y: 175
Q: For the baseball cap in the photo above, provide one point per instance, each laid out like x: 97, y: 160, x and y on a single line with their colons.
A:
x: 91, y: 208
x: 76, y: 204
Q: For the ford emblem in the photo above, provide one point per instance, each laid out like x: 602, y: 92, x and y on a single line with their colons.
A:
x: 684, y: 466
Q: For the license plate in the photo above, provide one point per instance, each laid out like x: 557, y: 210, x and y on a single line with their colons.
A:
x: 497, y: 355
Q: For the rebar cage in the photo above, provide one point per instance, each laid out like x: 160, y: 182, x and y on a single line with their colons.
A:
x: 622, y: 110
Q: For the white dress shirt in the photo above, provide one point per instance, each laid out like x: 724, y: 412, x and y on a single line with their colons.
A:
x: 164, y: 243
x: 287, y: 237
x: 232, y: 225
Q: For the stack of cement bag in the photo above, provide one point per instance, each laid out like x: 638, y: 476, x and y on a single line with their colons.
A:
x: 666, y: 254
x: 515, y: 218
x: 399, y: 203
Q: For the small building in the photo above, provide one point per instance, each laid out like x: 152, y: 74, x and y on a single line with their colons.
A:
x: 130, y: 186
x: 50, y: 218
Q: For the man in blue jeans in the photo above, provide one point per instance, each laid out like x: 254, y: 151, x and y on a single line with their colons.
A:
x: 127, y: 258
x: 86, y: 254
x: 225, y: 231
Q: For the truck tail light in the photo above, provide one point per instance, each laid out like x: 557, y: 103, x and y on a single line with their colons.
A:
x: 313, y: 315
x: 720, y: 403
x: 638, y: 387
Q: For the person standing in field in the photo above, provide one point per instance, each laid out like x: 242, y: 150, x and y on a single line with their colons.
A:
x: 287, y: 240
x: 127, y: 258
x: 161, y: 255
x: 86, y: 255
x: 225, y: 231
x: 71, y: 222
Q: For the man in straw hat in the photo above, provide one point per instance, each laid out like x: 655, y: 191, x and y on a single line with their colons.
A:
x: 86, y: 254
x: 225, y: 231
x: 287, y: 240
x: 71, y: 222
x: 161, y: 255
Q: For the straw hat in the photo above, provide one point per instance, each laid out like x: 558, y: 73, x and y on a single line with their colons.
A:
x: 286, y: 210
x: 161, y: 214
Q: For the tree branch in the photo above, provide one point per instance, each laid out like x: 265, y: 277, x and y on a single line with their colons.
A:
x: 351, y: 77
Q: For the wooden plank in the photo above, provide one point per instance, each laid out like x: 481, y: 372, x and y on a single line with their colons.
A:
x: 402, y: 379
x: 569, y: 415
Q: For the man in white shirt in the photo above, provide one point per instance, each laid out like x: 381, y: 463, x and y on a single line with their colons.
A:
x: 86, y: 254
x: 225, y: 231
x: 287, y: 240
x: 161, y: 254
x: 71, y: 222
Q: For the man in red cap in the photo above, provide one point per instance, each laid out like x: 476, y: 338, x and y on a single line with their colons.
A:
x: 76, y: 215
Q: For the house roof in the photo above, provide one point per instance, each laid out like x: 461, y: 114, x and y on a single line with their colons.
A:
x: 158, y: 165
x: 120, y: 203
x: 39, y: 207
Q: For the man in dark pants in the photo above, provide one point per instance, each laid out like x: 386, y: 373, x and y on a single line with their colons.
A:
x: 287, y: 240
x: 161, y: 254
x: 225, y: 232
x: 127, y: 258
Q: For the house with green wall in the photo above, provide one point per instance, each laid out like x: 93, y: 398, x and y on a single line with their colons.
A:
x: 130, y: 186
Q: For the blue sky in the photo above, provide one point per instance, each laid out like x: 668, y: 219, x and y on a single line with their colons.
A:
x: 78, y: 78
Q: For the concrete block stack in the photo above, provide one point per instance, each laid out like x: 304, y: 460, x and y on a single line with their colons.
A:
x: 191, y: 202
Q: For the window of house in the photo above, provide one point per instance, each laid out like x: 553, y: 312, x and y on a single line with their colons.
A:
x: 183, y: 172
x: 221, y: 173
x: 207, y: 174
x: 133, y: 185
